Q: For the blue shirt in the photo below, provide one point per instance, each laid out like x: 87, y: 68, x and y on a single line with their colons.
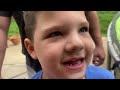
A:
x: 92, y: 72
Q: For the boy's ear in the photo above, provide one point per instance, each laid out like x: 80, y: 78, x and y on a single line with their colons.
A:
x: 30, y: 48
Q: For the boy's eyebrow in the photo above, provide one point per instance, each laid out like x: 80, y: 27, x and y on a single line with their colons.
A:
x: 84, y: 23
x: 61, y: 26
x: 51, y: 29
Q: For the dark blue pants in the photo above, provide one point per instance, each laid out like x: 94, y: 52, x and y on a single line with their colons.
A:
x: 34, y: 64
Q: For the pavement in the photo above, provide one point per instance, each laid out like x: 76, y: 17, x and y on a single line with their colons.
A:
x: 14, y: 66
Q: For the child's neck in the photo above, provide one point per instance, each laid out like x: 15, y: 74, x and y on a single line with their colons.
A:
x: 44, y: 77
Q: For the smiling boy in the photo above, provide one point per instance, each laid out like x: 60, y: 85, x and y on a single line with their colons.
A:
x: 60, y: 40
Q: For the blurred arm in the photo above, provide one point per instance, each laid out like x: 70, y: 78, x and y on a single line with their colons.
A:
x: 4, y: 26
x: 94, y: 30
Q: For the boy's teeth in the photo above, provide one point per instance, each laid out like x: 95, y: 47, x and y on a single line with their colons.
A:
x: 74, y: 63
x: 70, y: 64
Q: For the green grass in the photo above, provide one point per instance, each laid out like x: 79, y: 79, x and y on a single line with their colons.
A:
x: 105, y: 18
x: 13, y: 30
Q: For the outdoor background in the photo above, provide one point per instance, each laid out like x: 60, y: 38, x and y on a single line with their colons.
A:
x: 105, y: 18
x: 14, y: 57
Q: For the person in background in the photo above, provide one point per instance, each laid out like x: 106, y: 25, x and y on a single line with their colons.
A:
x: 5, y: 20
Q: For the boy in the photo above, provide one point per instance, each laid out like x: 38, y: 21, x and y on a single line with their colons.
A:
x: 60, y: 40
x: 5, y: 21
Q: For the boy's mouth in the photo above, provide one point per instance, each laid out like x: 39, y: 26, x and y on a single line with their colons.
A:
x: 74, y: 63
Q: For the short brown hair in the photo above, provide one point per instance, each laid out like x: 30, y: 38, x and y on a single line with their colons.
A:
x: 30, y: 23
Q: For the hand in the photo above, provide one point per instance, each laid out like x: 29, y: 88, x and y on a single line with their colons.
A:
x: 99, y: 56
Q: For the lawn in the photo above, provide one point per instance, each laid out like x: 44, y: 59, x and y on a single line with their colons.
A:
x: 105, y: 18
x: 13, y: 30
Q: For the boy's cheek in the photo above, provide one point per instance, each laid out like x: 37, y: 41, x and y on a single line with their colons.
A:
x: 50, y: 52
x: 94, y: 46
x: 91, y: 46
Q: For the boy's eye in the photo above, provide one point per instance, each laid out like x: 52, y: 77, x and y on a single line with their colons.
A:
x: 55, y: 34
x: 84, y: 29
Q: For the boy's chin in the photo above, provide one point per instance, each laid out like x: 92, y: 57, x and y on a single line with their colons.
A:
x: 76, y: 74
x: 76, y: 77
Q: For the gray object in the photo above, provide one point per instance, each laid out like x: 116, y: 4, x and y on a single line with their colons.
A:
x: 113, y: 46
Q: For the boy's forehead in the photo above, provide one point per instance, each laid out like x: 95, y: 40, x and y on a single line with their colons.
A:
x: 62, y: 12
x: 61, y: 16
x: 49, y: 19
x: 58, y: 14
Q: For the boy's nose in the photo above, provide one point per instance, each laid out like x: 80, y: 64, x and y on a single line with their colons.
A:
x: 74, y: 44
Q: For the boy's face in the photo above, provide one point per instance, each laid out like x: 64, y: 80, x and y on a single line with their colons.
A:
x: 62, y: 44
